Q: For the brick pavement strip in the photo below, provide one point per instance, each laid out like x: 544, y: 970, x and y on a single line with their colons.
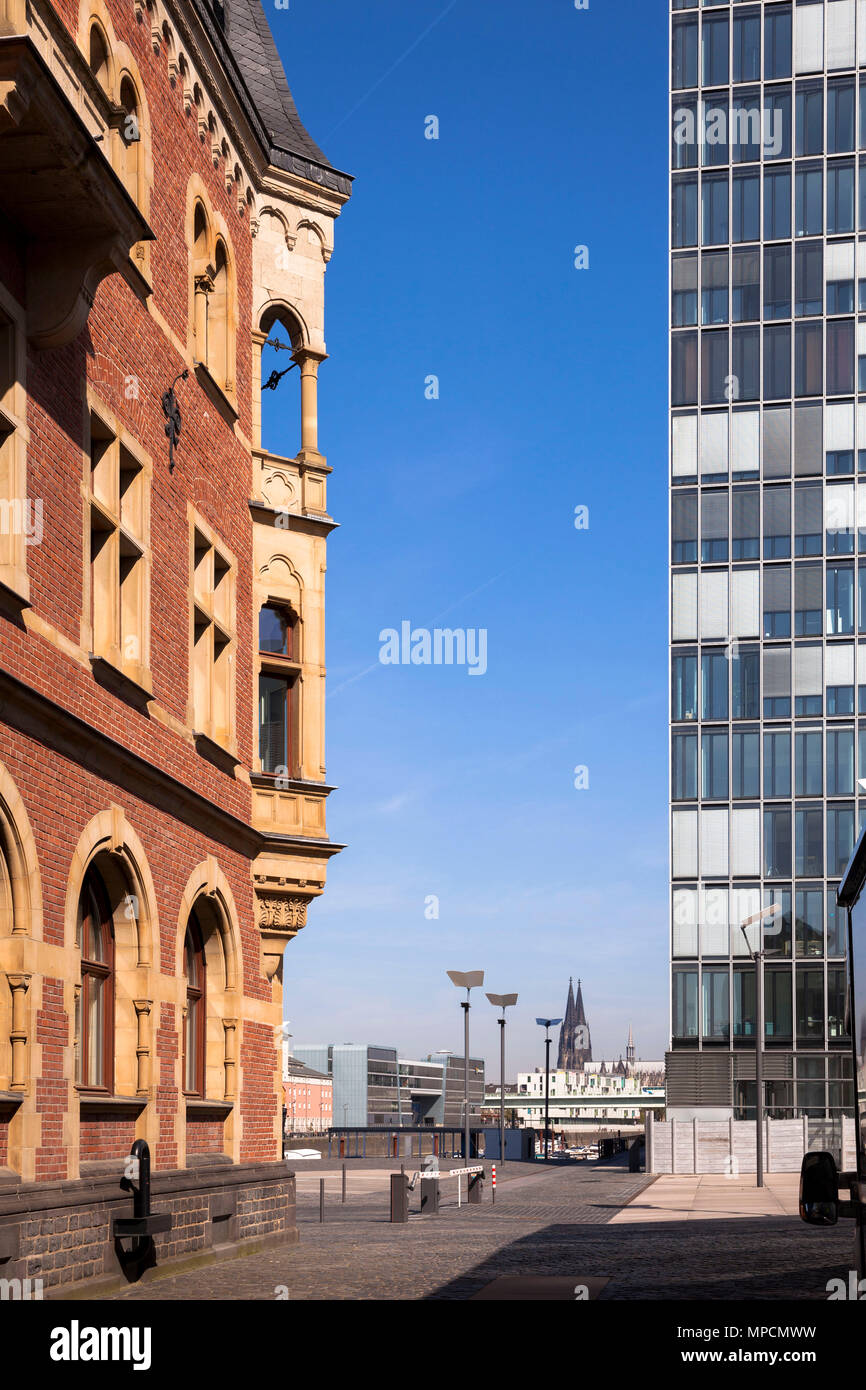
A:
x: 554, y: 1223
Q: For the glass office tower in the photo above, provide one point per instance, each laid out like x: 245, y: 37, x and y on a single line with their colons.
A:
x: 768, y: 541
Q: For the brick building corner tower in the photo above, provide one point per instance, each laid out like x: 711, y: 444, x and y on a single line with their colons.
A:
x: 165, y: 224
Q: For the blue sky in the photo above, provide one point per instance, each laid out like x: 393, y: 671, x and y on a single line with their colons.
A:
x: 455, y: 257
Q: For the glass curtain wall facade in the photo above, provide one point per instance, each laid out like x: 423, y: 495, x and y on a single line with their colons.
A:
x: 768, y: 535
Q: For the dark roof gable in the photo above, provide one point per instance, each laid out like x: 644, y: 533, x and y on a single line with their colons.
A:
x: 241, y: 34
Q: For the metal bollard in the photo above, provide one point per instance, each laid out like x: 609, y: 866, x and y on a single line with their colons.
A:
x: 399, y: 1197
x: 344, y: 1182
x: 321, y: 1200
x: 429, y: 1197
x: 476, y: 1189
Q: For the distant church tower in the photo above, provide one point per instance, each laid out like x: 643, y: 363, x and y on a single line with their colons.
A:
x: 629, y: 1052
x: 575, y: 1044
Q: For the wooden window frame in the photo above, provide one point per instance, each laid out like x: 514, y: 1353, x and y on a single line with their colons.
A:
x: 212, y: 638
x: 286, y: 667
x: 103, y: 970
x: 196, y: 997
x: 116, y: 625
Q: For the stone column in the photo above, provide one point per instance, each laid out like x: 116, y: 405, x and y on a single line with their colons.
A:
x: 308, y: 363
x: 230, y: 1025
x: 203, y: 287
x: 259, y: 340
x: 19, y: 984
x: 142, y: 1050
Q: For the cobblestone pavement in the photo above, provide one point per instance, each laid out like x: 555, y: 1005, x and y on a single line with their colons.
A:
x: 549, y: 1223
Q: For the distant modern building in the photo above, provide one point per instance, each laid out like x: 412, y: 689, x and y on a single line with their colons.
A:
x: 450, y: 1111
x: 374, y: 1086
x: 309, y: 1099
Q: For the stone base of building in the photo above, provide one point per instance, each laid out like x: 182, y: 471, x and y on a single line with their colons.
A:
x: 62, y: 1233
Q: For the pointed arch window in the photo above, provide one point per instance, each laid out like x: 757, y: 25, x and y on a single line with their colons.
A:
x: 130, y: 138
x: 218, y: 319
x: 195, y: 1015
x: 212, y: 285
x: 95, y: 1031
x: 97, y: 57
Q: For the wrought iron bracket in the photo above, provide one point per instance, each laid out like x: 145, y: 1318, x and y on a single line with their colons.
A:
x: 171, y: 411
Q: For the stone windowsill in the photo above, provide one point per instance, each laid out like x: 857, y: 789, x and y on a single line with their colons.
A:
x: 196, y: 1106
x: 92, y: 1100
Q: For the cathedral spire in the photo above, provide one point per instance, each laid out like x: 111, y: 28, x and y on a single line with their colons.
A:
x: 575, y: 1047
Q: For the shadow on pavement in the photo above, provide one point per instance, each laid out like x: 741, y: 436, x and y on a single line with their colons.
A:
x: 743, y: 1260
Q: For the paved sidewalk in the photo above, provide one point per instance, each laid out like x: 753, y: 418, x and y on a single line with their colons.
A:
x: 557, y: 1225
x: 713, y: 1196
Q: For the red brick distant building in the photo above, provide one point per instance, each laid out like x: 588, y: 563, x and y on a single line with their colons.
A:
x: 309, y: 1099
x: 164, y: 220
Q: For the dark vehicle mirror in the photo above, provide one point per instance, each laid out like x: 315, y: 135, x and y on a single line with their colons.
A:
x: 819, y: 1190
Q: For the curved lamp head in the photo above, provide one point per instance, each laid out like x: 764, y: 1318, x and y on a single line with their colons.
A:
x: 466, y: 979
x: 548, y: 1022
x: 502, y: 1001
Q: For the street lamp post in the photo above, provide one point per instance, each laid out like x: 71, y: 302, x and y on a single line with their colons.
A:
x: 547, y: 1024
x: 503, y: 1002
x: 758, y: 957
x: 468, y: 980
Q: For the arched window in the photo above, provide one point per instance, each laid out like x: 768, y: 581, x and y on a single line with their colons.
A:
x: 95, y: 1023
x: 195, y: 1017
x: 279, y: 670
x: 98, y: 57
x: 218, y: 319
x: 130, y: 138
x: 280, y: 379
x: 202, y: 283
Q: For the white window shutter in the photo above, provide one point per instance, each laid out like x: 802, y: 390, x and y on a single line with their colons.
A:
x: 808, y: 38
x: 745, y: 441
x: 684, y: 846
x: 839, y: 664
x: 684, y: 446
x: 841, y: 52
x: 807, y: 670
x: 861, y: 663
x: 745, y: 847
x: 839, y: 426
x: 839, y: 261
x: 839, y: 507
x: 745, y: 603
x: 714, y: 603
x: 861, y: 339
x: 684, y: 608
x: 714, y: 922
x: 714, y: 842
x: 714, y: 442
x: 685, y: 924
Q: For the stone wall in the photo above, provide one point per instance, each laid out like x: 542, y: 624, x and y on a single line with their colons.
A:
x: 61, y: 1232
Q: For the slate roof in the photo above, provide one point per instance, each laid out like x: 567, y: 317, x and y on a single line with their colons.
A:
x: 299, y: 1071
x: 246, y: 46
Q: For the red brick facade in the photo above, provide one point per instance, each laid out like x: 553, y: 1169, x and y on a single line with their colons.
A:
x: 97, y: 768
